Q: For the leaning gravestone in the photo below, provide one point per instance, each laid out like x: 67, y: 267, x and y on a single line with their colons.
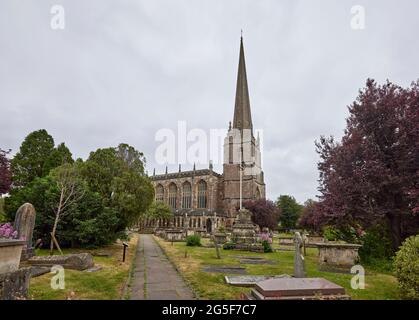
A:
x: 24, y: 224
x: 299, y: 268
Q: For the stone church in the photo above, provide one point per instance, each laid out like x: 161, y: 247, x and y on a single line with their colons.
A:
x: 204, y: 200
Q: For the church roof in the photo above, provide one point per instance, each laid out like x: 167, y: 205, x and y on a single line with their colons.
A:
x: 183, y: 174
x: 242, y: 116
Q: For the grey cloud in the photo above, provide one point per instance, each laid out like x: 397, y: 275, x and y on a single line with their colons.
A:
x: 121, y: 70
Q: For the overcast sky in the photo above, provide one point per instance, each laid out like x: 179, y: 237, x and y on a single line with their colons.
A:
x: 122, y: 70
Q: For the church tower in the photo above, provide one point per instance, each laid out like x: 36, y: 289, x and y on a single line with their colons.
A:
x: 242, y: 154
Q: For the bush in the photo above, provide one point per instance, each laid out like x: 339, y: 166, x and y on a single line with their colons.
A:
x: 376, y: 249
x: 266, y: 246
x: 193, y: 241
x: 406, y: 265
x: 266, y: 242
x: 2, y: 214
x: 331, y: 233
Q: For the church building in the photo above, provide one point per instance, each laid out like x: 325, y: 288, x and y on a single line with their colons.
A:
x: 204, y: 200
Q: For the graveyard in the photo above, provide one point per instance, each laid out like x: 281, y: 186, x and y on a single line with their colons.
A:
x: 212, y: 285
x: 310, y: 192
x: 107, y: 283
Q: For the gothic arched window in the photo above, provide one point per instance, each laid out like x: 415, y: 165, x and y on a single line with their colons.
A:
x: 186, y: 195
x: 202, y: 194
x: 172, y: 195
x: 159, y: 193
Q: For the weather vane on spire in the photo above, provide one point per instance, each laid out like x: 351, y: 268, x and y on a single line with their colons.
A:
x: 241, y: 33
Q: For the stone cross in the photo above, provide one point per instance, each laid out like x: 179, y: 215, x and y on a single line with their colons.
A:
x: 24, y: 224
x: 299, y: 267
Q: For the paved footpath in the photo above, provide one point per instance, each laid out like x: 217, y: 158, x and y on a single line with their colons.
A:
x: 154, y: 277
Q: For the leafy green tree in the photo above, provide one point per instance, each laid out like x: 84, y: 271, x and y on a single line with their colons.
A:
x: 31, y: 160
x: 5, y: 175
x: 118, y: 175
x: 112, y: 188
x: 59, y: 156
x: 87, y: 222
x: 100, y: 169
x: 37, y: 156
x: 132, y: 195
x: 290, y: 209
x: 133, y: 158
x: 159, y: 210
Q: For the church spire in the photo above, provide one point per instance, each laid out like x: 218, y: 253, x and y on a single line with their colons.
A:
x: 242, y: 115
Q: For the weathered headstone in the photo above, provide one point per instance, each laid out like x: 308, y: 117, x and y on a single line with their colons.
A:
x: 24, y: 224
x: 299, y: 267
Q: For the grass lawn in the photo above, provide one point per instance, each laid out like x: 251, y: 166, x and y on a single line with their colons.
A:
x: 105, y: 284
x: 380, y: 286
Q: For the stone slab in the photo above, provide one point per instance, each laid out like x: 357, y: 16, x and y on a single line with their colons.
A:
x: 251, y: 261
x: 292, y: 287
x: 37, y: 271
x: 93, y: 269
x: 249, y: 257
x: 225, y: 269
x: 250, y: 281
x: 79, y: 261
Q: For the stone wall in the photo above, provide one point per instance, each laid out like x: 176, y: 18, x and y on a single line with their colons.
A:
x: 15, y: 285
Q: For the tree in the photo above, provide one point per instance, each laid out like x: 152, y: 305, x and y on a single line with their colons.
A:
x: 159, y: 210
x: 264, y: 213
x: 5, y: 175
x: 290, y: 211
x: 134, y: 159
x: 117, y: 174
x: 132, y: 195
x: 310, y: 215
x: 372, y: 175
x: 59, y: 156
x: 86, y: 223
x: 71, y: 189
x: 31, y: 160
x: 100, y: 169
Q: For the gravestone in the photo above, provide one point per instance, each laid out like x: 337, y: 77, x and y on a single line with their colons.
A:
x: 24, y: 224
x: 225, y: 269
x: 257, y: 261
x: 297, y: 289
x: 338, y: 257
x: 299, y: 267
x: 249, y: 281
x: 78, y: 261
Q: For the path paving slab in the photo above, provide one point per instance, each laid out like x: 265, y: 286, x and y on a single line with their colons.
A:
x: 154, y: 277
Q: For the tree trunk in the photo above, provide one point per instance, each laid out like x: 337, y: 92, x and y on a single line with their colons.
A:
x: 54, y: 229
x: 395, y: 230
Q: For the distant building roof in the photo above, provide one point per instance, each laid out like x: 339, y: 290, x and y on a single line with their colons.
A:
x: 185, y: 174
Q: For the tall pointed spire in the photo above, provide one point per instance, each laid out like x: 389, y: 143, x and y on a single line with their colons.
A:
x: 242, y: 115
